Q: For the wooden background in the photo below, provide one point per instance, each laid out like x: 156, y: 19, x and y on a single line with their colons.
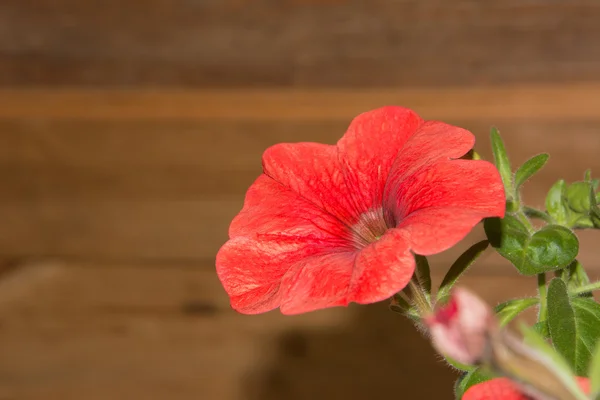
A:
x: 130, y: 130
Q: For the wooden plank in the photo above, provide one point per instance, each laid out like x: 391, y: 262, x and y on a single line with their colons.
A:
x: 524, y: 102
x: 95, y: 332
x: 143, y: 160
x: 296, y: 42
x: 172, y: 160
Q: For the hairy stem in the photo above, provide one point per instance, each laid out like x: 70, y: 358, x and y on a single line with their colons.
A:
x: 542, y: 292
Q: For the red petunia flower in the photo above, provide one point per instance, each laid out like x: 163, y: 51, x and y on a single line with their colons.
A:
x: 505, y: 389
x: 327, y: 225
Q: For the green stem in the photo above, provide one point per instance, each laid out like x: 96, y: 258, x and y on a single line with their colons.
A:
x: 542, y: 291
x: 418, y: 298
x: 586, y: 288
x: 523, y: 218
x: 531, y: 212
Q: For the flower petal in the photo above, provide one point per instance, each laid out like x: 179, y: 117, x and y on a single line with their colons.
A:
x: 272, y: 210
x: 433, y: 142
x: 317, y: 282
x: 505, y: 389
x: 498, y: 388
x: 312, y: 171
x: 369, y: 148
x: 439, y: 204
x: 382, y: 269
x: 251, y: 270
x: 433, y: 230
x: 275, y: 230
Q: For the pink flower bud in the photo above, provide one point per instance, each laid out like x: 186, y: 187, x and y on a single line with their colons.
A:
x: 461, y: 328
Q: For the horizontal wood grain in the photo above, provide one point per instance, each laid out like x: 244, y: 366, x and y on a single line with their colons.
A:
x: 233, y: 43
x: 207, y: 160
x: 96, y: 332
x: 523, y: 102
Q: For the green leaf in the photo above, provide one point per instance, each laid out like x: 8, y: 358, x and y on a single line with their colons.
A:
x: 555, y: 362
x: 594, y: 373
x: 561, y: 321
x: 574, y: 325
x: 555, y: 202
x: 463, y: 262
x: 552, y: 247
x: 507, y: 235
x: 423, y: 275
x: 582, y: 222
x: 578, y: 196
x: 507, y: 311
x: 529, y: 168
x: 502, y: 162
x: 469, y: 379
x: 587, y: 315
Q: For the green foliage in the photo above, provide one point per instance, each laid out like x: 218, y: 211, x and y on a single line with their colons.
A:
x: 529, y: 168
x: 555, y: 202
x: 507, y: 311
x: 502, y: 163
x: 458, y: 268
x: 574, y: 325
x: 551, y: 248
x: 554, y: 361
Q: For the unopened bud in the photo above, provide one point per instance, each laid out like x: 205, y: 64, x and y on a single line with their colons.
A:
x: 461, y: 328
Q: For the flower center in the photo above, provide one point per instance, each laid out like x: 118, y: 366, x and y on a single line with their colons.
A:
x: 369, y: 228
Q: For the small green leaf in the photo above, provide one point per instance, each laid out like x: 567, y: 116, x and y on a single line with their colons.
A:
x: 469, y: 379
x: 423, y: 275
x: 507, y: 311
x: 507, y: 235
x: 561, y: 321
x: 555, y: 202
x: 574, y: 325
x: 594, y: 373
x: 587, y: 316
x: 587, y: 175
x: 578, y: 196
x: 502, y: 162
x: 463, y: 262
x: 529, y: 168
x: 555, y: 362
x: 583, y: 222
x: 552, y: 247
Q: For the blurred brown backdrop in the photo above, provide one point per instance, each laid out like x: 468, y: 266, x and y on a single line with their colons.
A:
x: 130, y: 130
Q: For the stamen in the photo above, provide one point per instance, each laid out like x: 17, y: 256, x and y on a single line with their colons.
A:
x: 369, y: 228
